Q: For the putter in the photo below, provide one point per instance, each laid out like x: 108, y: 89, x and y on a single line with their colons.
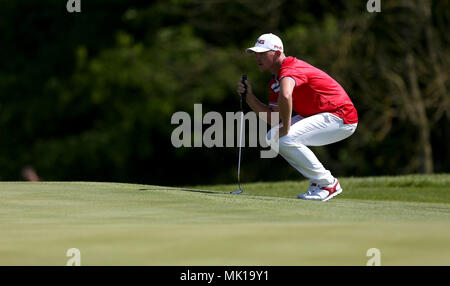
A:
x: 239, y: 191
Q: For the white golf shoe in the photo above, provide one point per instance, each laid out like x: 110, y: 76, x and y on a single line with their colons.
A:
x: 321, y: 193
x: 313, y: 187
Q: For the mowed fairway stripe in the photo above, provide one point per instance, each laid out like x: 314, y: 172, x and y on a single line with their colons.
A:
x: 121, y: 224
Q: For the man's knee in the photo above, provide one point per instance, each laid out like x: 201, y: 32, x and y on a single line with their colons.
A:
x: 283, y: 144
x: 291, y: 140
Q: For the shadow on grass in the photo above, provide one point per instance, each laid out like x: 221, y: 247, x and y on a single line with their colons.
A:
x: 185, y: 190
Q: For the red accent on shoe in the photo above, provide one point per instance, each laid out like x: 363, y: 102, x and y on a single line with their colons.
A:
x: 330, y: 190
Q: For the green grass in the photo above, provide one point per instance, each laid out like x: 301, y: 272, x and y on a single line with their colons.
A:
x: 406, y: 217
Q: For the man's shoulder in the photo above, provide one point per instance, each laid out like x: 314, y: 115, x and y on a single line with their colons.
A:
x: 293, y: 62
x: 298, y: 67
x: 292, y: 66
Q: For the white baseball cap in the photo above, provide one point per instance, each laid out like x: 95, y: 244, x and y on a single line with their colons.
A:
x: 266, y: 42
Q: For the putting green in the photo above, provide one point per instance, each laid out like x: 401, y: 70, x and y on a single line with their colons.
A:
x: 407, y: 218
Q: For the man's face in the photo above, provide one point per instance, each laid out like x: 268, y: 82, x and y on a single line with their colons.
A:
x: 265, y: 60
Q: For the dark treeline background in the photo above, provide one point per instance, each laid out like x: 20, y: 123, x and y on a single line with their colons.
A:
x: 89, y: 96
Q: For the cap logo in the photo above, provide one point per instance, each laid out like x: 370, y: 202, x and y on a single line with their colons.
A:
x: 277, y: 47
x: 261, y: 42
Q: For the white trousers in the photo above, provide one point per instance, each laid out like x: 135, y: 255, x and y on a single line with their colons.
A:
x: 317, y: 130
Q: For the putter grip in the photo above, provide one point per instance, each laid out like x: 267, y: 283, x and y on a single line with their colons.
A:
x: 244, y: 78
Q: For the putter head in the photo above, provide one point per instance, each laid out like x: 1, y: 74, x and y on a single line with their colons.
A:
x: 236, y: 192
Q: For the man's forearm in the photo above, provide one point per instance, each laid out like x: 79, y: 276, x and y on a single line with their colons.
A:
x: 285, y: 106
x: 259, y: 107
x: 285, y: 101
